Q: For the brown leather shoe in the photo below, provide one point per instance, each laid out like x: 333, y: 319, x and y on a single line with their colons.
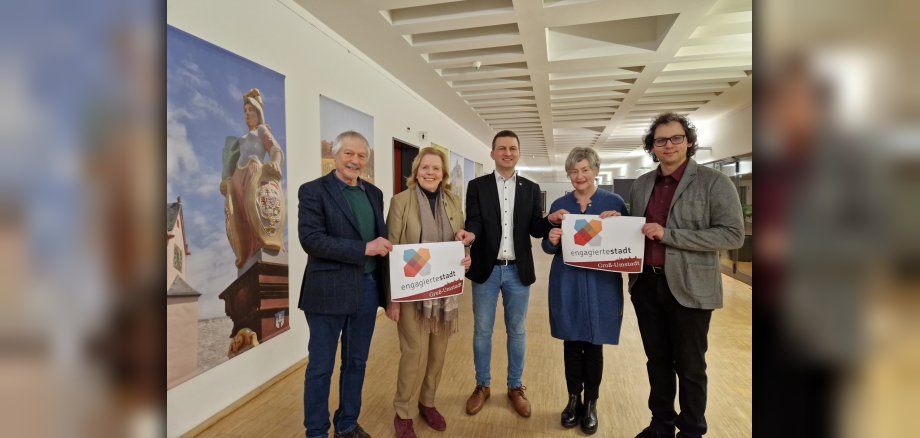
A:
x: 519, y: 400
x: 477, y: 399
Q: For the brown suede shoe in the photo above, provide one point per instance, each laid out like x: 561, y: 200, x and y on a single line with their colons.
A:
x: 432, y: 417
x: 477, y: 399
x: 519, y: 400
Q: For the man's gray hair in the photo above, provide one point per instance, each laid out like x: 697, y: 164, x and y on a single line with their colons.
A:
x: 578, y: 154
x: 337, y: 144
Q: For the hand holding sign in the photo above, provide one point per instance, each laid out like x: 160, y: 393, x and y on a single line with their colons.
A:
x: 466, y: 237
x: 653, y: 231
x: 554, y: 235
x: 557, y: 216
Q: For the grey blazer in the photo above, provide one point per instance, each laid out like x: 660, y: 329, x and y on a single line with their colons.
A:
x: 705, y: 217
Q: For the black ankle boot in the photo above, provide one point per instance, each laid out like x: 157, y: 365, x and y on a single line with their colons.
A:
x: 589, y: 419
x: 572, y: 411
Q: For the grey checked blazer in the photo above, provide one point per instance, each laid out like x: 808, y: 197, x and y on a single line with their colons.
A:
x: 705, y: 217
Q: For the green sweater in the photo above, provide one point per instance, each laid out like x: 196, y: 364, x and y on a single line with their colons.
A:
x: 364, y: 213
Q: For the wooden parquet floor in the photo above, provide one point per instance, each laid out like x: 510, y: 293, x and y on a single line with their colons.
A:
x: 622, y: 411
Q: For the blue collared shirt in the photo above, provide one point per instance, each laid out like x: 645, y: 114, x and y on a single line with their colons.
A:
x: 343, y: 184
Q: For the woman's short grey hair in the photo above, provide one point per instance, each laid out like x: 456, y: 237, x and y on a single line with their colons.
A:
x: 337, y: 144
x: 578, y: 154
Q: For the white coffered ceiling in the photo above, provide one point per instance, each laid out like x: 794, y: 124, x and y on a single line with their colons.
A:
x: 560, y: 73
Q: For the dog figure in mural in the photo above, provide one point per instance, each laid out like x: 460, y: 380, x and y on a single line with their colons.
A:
x: 242, y: 341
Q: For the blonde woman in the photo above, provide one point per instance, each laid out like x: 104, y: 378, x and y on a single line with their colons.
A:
x: 426, y: 212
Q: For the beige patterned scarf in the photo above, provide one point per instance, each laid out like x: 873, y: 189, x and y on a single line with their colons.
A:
x: 438, y: 315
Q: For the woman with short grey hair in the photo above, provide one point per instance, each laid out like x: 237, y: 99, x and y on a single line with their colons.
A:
x: 587, y: 154
x: 585, y: 305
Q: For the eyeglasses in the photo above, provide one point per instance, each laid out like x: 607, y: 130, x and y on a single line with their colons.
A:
x: 676, y: 139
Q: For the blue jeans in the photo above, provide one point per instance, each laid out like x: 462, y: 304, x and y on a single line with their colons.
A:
x: 356, y: 330
x: 515, y: 297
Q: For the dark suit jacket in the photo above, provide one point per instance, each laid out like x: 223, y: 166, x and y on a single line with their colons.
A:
x: 333, y: 282
x: 483, y: 218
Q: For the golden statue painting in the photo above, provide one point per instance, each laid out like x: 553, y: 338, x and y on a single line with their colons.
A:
x: 254, y: 200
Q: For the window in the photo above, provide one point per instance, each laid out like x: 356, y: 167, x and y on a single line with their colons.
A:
x: 177, y: 257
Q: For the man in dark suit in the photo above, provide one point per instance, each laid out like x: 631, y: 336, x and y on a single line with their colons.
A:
x: 502, y: 212
x: 692, y: 212
x: 341, y: 227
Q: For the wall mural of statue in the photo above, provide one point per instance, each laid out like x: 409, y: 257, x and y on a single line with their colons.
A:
x: 455, y: 169
x: 227, y: 264
x: 254, y: 207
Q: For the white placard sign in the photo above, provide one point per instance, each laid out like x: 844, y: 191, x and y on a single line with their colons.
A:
x: 612, y: 244
x: 426, y: 271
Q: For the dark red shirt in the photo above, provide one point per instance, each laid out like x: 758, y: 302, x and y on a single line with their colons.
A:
x: 659, y: 203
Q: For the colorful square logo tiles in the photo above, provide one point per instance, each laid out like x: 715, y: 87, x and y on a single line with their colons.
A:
x: 417, y: 262
x: 588, y: 232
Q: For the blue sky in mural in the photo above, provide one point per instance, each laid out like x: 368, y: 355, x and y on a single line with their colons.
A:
x: 204, y: 104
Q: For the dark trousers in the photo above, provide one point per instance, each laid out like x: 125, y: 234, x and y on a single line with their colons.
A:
x: 674, y: 338
x: 584, y: 365
x: 356, y: 330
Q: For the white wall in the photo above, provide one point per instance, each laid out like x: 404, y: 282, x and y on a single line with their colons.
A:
x: 729, y: 136
x: 281, y: 36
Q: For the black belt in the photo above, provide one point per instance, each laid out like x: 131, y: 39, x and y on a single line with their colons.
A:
x: 505, y: 262
x: 657, y: 270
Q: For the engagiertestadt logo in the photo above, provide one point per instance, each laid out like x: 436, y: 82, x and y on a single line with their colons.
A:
x: 417, y: 262
x: 588, y: 232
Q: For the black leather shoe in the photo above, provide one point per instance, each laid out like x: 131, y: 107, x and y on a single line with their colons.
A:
x: 589, y: 419
x: 358, y: 432
x: 649, y: 432
x: 572, y: 412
